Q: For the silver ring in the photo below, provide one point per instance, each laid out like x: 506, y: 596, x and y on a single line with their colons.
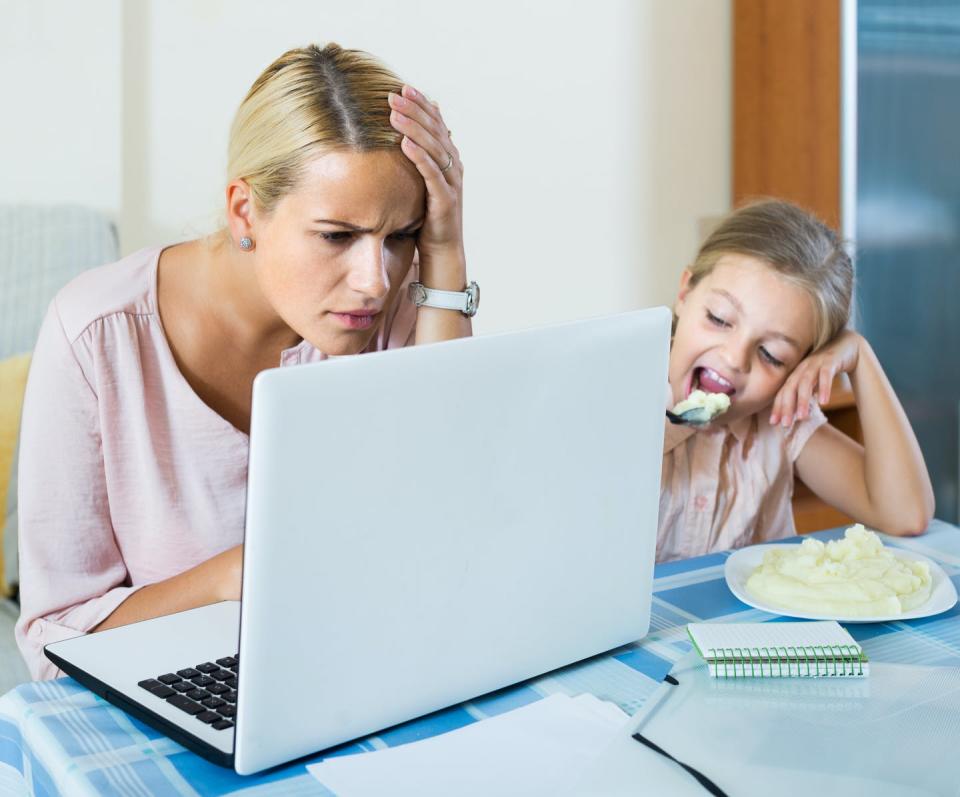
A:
x: 449, y: 163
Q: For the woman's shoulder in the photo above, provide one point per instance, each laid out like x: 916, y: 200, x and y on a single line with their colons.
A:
x: 125, y: 286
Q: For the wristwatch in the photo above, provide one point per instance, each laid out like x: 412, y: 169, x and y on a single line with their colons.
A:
x: 466, y: 301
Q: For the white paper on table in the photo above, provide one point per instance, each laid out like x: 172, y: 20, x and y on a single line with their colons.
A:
x: 533, y: 750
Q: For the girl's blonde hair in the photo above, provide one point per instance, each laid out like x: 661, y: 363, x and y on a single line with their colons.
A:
x: 798, y: 246
x: 310, y: 100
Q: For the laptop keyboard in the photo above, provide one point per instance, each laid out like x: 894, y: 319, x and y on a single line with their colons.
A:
x: 207, y: 691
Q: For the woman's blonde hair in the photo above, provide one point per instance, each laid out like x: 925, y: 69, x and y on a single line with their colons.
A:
x: 310, y: 100
x: 798, y: 246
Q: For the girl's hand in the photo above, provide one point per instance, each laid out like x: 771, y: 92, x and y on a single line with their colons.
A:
x: 426, y: 142
x: 813, y: 377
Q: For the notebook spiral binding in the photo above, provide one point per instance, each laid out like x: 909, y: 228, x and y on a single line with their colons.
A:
x: 787, y: 661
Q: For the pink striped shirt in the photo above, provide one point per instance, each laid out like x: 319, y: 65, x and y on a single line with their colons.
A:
x: 728, y: 486
x: 126, y: 476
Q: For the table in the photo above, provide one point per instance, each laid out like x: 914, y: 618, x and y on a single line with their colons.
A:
x: 57, y: 738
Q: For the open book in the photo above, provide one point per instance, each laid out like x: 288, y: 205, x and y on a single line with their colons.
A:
x: 778, y: 650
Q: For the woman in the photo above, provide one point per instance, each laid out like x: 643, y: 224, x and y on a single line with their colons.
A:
x: 134, y: 433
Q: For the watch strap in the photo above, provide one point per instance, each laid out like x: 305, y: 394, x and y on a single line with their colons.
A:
x: 445, y: 300
x: 464, y: 301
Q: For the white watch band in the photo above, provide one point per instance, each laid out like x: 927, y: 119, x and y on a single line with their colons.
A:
x: 465, y: 301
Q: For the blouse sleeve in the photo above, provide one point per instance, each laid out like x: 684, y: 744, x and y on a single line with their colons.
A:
x: 72, y: 574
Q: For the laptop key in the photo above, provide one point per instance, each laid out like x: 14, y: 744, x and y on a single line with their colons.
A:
x: 230, y: 697
x: 228, y: 711
x: 208, y: 716
x: 227, y: 661
x: 217, y: 689
x: 169, y: 678
x: 198, y: 694
x: 163, y: 691
x: 231, y: 682
x: 185, y: 704
x: 202, y: 680
x: 207, y: 667
x: 183, y: 686
x: 221, y: 675
x: 222, y: 725
x: 150, y: 684
x: 213, y: 702
x: 188, y: 673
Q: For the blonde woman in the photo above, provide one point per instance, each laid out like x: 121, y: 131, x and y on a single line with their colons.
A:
x: 134, y: 436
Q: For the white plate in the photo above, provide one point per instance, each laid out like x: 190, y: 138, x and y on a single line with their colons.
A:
x: 741, y: 564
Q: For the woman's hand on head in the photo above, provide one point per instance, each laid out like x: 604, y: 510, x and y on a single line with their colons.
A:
x: 426, y: 142
x: 813, y: 378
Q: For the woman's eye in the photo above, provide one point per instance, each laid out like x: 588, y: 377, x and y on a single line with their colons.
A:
x: 716, y: 320
x: 335, y: 237
x: 770, y: 358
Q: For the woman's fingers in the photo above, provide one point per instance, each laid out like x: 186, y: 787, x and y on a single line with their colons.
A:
x: 826, y: 383
x: 420, y: 121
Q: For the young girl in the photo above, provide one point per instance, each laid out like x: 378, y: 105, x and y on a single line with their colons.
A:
x: 761, y: 316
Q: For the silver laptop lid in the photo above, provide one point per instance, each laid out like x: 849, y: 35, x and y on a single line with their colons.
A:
x: 429, y: 524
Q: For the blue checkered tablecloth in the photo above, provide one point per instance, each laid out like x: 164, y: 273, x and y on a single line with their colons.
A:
x: 57, y: 738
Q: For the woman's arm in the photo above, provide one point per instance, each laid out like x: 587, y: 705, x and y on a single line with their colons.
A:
x: 73, y: 577
x: 443, y: 264
x: 217, y: 579
x: 883, y: 483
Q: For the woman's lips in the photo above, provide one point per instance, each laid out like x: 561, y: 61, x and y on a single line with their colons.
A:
x: 357, y: 319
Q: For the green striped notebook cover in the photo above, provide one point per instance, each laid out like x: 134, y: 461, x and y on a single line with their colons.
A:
x: 778, y: 650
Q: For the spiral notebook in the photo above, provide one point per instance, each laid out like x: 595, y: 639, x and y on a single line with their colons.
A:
x: 779, y: 650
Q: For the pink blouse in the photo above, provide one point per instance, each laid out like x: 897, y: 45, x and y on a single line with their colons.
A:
x: 728, y: 486
x: 126, y: 476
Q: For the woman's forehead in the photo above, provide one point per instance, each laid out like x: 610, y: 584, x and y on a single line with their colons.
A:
x: 365, y: 188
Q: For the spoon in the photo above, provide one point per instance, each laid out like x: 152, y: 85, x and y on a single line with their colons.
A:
x: 696, y: 416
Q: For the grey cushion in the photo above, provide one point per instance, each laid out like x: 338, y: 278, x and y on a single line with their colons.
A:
x: 41, y: 249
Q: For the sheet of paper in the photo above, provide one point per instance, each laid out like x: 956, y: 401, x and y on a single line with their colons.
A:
x: 534, y: 750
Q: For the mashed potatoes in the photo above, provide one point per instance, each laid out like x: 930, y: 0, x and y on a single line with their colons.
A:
x: 852, y: 577
x: 711, y: 403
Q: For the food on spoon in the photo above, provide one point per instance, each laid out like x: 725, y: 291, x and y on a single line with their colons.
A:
x: 710, y: 405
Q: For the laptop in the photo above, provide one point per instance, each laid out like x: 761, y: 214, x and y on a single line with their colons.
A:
x: 482, y: 511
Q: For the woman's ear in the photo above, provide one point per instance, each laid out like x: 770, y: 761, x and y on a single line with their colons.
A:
x: 240, y: 210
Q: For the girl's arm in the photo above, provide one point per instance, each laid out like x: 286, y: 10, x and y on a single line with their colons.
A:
x: 884, y: 483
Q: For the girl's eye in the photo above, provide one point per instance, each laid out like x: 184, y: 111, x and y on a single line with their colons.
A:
x: 770, y: 358
x: 335, y: 237
x: 716, y: 320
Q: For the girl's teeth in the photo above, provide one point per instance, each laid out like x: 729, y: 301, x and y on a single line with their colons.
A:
x: 717, y: 378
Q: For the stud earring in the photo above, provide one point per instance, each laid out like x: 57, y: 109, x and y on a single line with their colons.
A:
x: 246, y: 244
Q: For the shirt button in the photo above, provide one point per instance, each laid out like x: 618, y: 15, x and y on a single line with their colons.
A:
x: 700, y: 502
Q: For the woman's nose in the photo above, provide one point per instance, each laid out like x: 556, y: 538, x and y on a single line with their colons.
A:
x: 368, y: 273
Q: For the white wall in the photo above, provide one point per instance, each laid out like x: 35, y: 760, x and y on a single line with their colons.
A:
x: 60, y: 118
x: 596, y: 136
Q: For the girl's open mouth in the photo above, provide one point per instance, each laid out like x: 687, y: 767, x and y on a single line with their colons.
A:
x: 710, y: 381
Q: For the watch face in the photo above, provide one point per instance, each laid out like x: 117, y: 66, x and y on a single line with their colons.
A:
x: 473, y: 298
x: 418, y: 294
